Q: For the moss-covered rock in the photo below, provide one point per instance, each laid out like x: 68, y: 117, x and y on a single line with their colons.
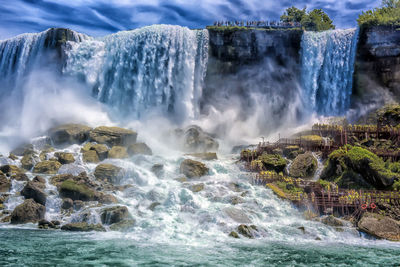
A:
x: 273, y: 162
x: 292, y: 152
x: 90, y: 156
x: 69, y: 133
x: 304, y: 166
x: 83, y: 227
x: 356, y: 167
x: 28, y: 161
x: 113, y: 136
x: 29, y: 211
x: 193, y: 169
x: 71, y: 189
x: 118, y: 152
x: 108, y: 172
x: 123, y: 226
x: 64, y: 158
x: 10, y: 170
x: 47, y: 167
x: 139, y: 148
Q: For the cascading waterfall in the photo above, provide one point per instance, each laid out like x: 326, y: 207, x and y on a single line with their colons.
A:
x: 327, y: 70
x: 23, y: 53
x: 153, y: 67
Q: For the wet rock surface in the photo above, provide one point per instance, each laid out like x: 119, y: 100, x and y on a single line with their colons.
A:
x: 27, y: 212
x: 193, y: 169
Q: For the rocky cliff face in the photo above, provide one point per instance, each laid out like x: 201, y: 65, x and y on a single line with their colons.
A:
x: 378, y: 60
x: 244, y: 63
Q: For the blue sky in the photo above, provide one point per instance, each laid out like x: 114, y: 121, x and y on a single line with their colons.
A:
x: 101, y: 17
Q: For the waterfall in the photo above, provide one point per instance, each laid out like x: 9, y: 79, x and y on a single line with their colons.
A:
x: 25, y: 52
x: 159, y: 67
x: 327, y: 70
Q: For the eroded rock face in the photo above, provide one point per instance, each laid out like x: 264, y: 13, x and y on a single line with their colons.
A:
x: 108, y: 172
x: 29, y: 211
x: 69, y: 134
x: 380, y: 226
x: 34, y: 190
x: 304, y: 166
x: 113, y: 136
x: 193, y: 169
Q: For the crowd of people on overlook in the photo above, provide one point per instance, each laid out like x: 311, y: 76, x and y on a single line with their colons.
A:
x: 260, y: 23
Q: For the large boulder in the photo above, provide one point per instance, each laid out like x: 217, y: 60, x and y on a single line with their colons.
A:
x: 114, y: 214
x: 47, y: 167
x: 380, y: 226
x: 247, y: 231
x: 83, y: 227
x: 5, y: 184
x: 28, y: 161
x: 356, y: 167
x: 10, y: 170
x: 118, y: 152
x: 139, y: 148
x: 64, y: 158
x: 29, y: 211
x: 113, y: 136
x: 75, y: 191
x: 273, y: 162
x: 34, y: 190
x: 304, y: 166
x: 69, y: 133
x: 108, y: 172
x: 196, y: 140
x: 193, y: 169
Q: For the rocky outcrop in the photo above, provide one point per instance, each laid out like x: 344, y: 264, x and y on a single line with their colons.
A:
x: 118, y: 152
x: 108, y: 172
x: 47, y: 167
x: 71, y: 189
x: 69, y: 134
x: 304, y: 166
x: 90, y: 156
x: 193, y: 169
x: 273, y: 162
x: 83, y: 227
x: 10, y: 170
x: 113, y: 136
x: 29, y: 211
x: 196, y: 140
x: 35, y: 191
x: 247, y: 231
x: 139, y: 148
x: 380, y: 226
x: 356, y: 167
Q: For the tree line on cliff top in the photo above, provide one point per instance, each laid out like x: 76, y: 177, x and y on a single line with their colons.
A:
x: 318, y: 20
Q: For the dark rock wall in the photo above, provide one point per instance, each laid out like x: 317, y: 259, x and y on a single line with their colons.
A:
x: 378, y: 60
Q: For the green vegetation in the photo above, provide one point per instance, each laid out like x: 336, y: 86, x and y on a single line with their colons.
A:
x: 273, y: 162
x: 356, y: 167
x: 315, y: 20
x: 289, y: 188
x: 388, y: 14
x: 75, y: 191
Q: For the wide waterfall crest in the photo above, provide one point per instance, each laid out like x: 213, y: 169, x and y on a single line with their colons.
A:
x: 327, y: 70
x: 159, y: 67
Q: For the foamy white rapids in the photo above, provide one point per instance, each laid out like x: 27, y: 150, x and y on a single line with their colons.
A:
x: 327, y: 70
x: 137, y: 71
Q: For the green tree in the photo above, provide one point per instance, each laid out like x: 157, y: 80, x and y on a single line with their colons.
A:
x: 293, y: 14
x: 317, y: 20
x: 391, y: 3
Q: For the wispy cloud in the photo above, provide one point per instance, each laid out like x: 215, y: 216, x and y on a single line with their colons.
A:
x: 101, y: 17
